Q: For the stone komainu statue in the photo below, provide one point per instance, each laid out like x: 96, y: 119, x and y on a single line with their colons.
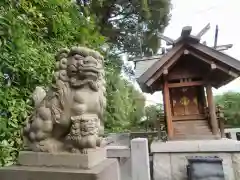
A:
x: 69, y: 116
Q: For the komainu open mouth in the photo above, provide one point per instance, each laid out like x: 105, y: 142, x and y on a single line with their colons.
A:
x: 89, y: 69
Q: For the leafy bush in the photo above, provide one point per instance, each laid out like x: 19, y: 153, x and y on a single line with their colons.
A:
x: 230, y: 103
x: 30, y: 34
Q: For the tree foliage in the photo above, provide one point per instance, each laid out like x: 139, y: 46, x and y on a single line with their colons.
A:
x: 31, y: 31
x: 149, y: 118
x: 230, y: 102
x: 154, y: 112
x: 125, y: 103
x: 126, y: 23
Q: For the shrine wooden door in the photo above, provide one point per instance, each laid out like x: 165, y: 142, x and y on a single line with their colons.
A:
x: 185, y: 101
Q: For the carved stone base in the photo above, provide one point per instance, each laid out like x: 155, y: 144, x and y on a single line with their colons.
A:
x: 106, y: 170
x: 68, y: 160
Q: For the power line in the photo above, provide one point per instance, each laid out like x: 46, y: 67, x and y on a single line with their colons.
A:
x: 209, y: 9
x: 205, y: 10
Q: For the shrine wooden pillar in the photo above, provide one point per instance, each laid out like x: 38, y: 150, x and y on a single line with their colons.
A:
x: 212, y: 110
x: 167, y: 108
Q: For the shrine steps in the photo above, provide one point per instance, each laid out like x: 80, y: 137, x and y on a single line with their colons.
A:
x: 192, y: 130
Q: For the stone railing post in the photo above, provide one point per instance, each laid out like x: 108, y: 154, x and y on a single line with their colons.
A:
x: 140, y: 159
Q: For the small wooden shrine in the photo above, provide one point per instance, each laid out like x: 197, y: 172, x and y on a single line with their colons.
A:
x: 186, y: 75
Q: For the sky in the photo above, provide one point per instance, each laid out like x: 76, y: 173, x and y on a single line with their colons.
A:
x: 198, y: 13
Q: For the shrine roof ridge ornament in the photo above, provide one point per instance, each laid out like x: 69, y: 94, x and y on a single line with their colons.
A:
x: 185, y: 36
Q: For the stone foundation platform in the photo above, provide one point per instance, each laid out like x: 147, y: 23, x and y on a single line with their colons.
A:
x: 170, y: 158
x: 62, y: 166
x: 69, y: 160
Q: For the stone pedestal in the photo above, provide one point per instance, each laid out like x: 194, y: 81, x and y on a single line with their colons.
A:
x: 170, y: 158
x: 140, y: 159
x: 62, y: 166
x: 69, y: 160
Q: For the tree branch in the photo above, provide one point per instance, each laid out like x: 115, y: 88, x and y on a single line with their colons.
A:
x: 117, y: 19
x: 107, y: 13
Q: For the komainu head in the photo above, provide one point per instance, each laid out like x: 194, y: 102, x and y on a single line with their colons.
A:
x: 80, y: 66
